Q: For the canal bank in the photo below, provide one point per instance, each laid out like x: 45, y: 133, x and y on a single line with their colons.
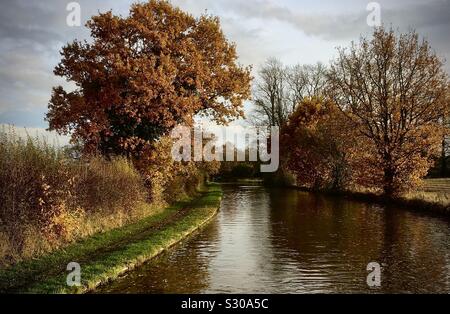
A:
x: 414, y: 203
x: 104, y: 257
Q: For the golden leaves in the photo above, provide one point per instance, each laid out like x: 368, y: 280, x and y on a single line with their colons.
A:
x: 145, y: 73
x: 395, y: 91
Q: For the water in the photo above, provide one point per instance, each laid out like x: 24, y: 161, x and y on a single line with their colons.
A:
x: 286, y: 241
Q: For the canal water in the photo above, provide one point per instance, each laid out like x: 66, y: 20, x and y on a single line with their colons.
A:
x: 286, y: 241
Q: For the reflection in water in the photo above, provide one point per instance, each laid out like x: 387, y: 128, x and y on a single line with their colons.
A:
x: 286, y: 241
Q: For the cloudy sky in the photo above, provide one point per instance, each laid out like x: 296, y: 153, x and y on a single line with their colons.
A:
x: 296, y: 31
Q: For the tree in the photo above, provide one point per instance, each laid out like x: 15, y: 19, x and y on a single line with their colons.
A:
x: 143, y: 74
x: 279, y: 89
x: 270, y: 94
x: 445, y: 148
x: 393, y: 89
x: 277, y: 93
x: 306, y: 81
x: 316, y: 141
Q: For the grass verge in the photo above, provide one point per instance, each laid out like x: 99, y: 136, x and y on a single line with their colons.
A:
x: 413, y: 203
x: 105, y: 256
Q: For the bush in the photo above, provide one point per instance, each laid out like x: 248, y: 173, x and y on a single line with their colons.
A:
x: 52, y: 196
x: 108, y: 185
x: 168, y: 180
x: 34, y: 184
x: 48, y: 199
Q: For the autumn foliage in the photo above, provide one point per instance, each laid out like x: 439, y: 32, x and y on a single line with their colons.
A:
x: 395, y: 92
x: 374, y: 119
x: 48, y: 199
x: 316, y: 141
x: 143, y: 74
x: 379, y: 124
x: 135, y: 79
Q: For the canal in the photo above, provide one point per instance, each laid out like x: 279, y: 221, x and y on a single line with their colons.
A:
x: 286, y: 241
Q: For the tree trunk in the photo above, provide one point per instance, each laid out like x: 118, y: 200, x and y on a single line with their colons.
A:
x: 443, y: 159
x: 388, y: 179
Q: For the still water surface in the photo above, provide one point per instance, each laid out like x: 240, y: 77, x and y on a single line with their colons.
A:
x: 286, y: 241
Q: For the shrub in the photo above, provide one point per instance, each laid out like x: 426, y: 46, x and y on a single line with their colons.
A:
x: 108, y: 185
x: 34, y: 184
x: 168, y: 180
x: 48, y: 198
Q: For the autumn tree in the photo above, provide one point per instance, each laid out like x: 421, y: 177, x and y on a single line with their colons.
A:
x: 393, y: 89
x: 142, y: 74
x: 277, y: 92
x: 316, y: 141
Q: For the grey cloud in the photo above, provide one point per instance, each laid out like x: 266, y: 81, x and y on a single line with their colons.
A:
x: 428, y: 18
x: 28, y: 20
x: 404, y: 14
x: 32, y: 32
x: 31, y: 35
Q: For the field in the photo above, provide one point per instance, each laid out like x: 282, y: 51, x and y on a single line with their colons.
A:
x: 434, y: 191
x: 437, y: 185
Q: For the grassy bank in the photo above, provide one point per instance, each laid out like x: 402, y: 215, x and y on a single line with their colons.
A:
x: 412, y: 201
x: 429, y: 200
x: 105, y: 256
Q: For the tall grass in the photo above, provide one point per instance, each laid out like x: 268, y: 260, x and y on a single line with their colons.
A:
x: 48, y: 199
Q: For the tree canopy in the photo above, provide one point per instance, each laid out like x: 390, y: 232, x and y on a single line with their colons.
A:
x: 395, y: 91
x: 142, y: 74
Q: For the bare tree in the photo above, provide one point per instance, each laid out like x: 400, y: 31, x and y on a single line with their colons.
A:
x: 306, y: 81
x: 270, y: 94
x: 279, y: 89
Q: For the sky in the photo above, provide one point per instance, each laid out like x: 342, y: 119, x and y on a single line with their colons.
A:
x: 32, y: 33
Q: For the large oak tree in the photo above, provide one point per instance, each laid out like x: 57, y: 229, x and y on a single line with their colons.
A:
x: 142, y: 74
x: 393, y: 88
